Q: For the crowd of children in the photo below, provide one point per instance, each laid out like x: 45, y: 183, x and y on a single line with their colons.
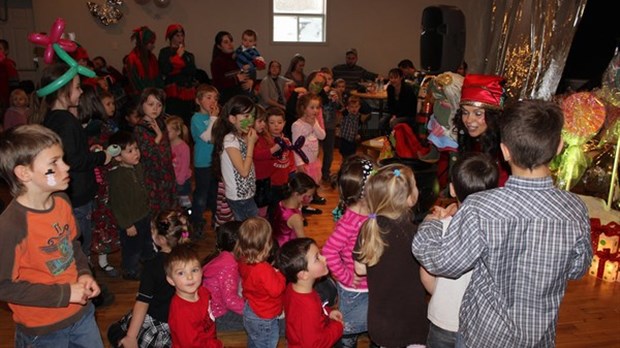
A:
x: 128, y: 178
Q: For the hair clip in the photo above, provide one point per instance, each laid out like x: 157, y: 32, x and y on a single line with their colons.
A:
x: 185, y: 234
x: 372, y: 216
x: 337, y: 213
x: 396, y: 172
x: 367, y: 169
x: 373, y: 172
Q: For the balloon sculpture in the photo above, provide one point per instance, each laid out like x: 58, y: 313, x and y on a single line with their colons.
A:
x: 48, y: 41
x: 74, y: 69
x: 54, y: 44
x: 297, y: 148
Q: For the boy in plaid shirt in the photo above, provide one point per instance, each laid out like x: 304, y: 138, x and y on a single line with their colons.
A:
x: 349, y: 128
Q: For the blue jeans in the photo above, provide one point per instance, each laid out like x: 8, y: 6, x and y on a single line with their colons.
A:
x: 243, y: 209
x: 83, y: 218
x: 354, y: 308
x: 440, y: 338
x: 230, y: 321
x: 262, y: 333
x: 205, y: 194
x: 328, y: 152
x: 83, y: 333
x: 138, y: 247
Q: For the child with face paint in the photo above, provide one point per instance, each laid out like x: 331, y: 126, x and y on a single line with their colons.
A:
x: 234, y: 140
x: 48, y: 288
x: 288, y: 221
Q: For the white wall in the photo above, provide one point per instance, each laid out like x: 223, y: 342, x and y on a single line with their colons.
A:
x: 384, y: 32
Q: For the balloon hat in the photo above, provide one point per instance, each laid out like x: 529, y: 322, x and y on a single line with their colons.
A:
x: 74, y: 69
x: 54, y: 44
x: 48, y: 41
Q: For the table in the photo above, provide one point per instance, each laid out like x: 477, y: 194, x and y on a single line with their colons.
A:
x: 372, y: 147
x: 380, y: 97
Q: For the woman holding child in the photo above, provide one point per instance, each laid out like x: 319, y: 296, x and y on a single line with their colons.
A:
x: 227, y: 77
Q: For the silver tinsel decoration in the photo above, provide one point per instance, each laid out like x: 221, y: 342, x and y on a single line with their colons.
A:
x: 108, y: 13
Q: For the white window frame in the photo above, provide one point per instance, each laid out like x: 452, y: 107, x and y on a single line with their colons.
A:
x: 322, y: 16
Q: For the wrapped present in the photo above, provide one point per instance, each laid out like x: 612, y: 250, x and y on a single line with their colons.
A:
x: 605, y: 242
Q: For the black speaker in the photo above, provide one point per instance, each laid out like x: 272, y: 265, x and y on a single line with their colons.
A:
x: 442, y: 42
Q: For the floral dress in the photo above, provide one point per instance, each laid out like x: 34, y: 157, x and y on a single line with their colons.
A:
x: 156, y: 159
x: 105, y: 231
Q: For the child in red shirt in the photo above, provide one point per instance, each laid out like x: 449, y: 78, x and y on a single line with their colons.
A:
x: 190, y: 319
x: 283, y: 159
x: 263, y: 286
x: 308, y: 322
x: 263, y: 161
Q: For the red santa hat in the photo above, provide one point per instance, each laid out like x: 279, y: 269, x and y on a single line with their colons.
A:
x: 483, y: 91
x: 173, y: 29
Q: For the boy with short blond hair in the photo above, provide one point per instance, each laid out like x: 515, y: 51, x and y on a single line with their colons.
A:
x: 524, y: 241
x: 207, y: 98
x: 44, y: 275
x: 308, y: 322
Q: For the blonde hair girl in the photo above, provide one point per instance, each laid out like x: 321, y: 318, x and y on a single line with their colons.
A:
x: 396, y: 305
x: 263, y: 286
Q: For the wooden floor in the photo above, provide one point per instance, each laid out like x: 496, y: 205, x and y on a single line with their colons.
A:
x: 589, y: 315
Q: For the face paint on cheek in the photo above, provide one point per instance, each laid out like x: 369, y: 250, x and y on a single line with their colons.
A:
x: 246, y: 123
x: 51, y: 180
x: 315, y: 87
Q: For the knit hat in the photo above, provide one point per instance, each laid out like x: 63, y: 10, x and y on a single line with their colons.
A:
x: 483, y: 91
x: 173, y: 29
x: 143, y: 35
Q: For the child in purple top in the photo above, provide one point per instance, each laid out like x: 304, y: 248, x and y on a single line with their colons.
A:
x: 221, y: 277
x: 338, y: 249
x: 288, y: 221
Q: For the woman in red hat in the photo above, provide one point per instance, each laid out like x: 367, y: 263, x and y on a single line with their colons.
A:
x: 476, y: 122
x: 178, y: 67
x: 142, y: 66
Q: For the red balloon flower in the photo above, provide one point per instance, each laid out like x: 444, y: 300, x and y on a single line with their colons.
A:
x: 47, y: 41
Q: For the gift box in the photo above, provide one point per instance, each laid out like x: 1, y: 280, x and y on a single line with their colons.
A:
x: 605, y: 242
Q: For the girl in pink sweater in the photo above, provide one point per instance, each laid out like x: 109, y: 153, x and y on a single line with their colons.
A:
x: 221, y: 277
x: 179, y: 137
x: 350, y: 214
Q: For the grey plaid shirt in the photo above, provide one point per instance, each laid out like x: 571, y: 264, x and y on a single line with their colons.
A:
x: 523, y: 241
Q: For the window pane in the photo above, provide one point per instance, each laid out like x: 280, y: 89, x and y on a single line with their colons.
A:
x: 285, y: 28
x: 311, y: 29
x: 298, y: 6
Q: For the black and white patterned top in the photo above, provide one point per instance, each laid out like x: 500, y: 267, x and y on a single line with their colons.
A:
x: 237, y: 187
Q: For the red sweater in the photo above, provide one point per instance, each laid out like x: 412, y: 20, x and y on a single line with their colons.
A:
x: 263, y: 288
x: 191, y: 324
x: 307, y: 322
x: 263, y: 160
